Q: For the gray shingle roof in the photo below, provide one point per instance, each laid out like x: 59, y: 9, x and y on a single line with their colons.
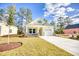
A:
x: 72, y: 26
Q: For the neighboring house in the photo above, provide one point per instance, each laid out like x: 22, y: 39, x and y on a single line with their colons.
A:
x: 39, y: 27
x: 72, y: 29
x: 5, y: 29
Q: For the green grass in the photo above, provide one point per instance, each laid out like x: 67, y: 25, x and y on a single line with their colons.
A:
x: 33, y: 46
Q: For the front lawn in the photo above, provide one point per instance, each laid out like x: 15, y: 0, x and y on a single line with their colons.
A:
x: 33, y: 46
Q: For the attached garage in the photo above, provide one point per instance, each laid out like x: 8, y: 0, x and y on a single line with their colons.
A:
x: 47, y: 32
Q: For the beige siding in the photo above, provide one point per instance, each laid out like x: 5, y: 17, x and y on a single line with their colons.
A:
x: 14, y: 30
x: 38, y: 27
x: 5, y: 29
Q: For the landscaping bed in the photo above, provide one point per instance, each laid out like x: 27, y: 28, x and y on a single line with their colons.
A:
x: 9, y: 46
x: 69, y: 36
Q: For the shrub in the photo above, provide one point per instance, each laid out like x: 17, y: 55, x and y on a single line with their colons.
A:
x: 59, y: 31
x: 20, y: 32
x: 77, y: 37
x: 72, y: 37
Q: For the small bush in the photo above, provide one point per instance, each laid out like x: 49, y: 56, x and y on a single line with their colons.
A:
x: 72, y: 37
x: 20, y: 32
x: 77, y: 37
x: 59, y: 31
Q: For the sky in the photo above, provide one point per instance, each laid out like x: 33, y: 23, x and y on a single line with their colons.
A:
x: 37, y: 9
x: 49, y: 11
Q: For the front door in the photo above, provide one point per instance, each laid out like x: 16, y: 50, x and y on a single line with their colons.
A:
x: 40, y: 31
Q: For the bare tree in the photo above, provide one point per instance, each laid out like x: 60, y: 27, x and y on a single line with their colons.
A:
x: 25, y: 17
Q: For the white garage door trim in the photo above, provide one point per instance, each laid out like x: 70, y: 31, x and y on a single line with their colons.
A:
x: 47, y: 32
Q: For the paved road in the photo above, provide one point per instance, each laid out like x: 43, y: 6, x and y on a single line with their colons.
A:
x: 69, y: 45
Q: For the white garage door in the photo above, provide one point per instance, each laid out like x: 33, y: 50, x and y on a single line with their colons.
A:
x: 47, y: 32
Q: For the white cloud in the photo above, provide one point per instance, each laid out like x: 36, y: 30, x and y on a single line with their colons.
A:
x: 46, y: 14
x: 60, y: 9
x: 55, y: 9
x: 69, y: 9
x: 65, y: 4
x: 74, y: 16
x: 75, y: 20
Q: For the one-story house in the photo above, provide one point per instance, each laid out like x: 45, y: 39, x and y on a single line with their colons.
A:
x: 39, y: 28
x: 72, y: 29
x: 5, y: 29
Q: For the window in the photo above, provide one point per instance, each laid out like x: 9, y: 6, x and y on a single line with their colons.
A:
x: 32, y: 31
x: 10, y: 30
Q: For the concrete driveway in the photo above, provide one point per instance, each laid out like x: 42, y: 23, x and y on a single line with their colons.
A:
x: 72, y: 46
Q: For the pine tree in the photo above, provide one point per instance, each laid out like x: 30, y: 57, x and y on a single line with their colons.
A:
x: 11, y: 12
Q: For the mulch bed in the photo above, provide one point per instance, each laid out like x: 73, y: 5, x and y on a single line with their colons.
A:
x: 10, y: 46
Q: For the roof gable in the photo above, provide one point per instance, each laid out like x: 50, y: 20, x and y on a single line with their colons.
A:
x: 39, y: 21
